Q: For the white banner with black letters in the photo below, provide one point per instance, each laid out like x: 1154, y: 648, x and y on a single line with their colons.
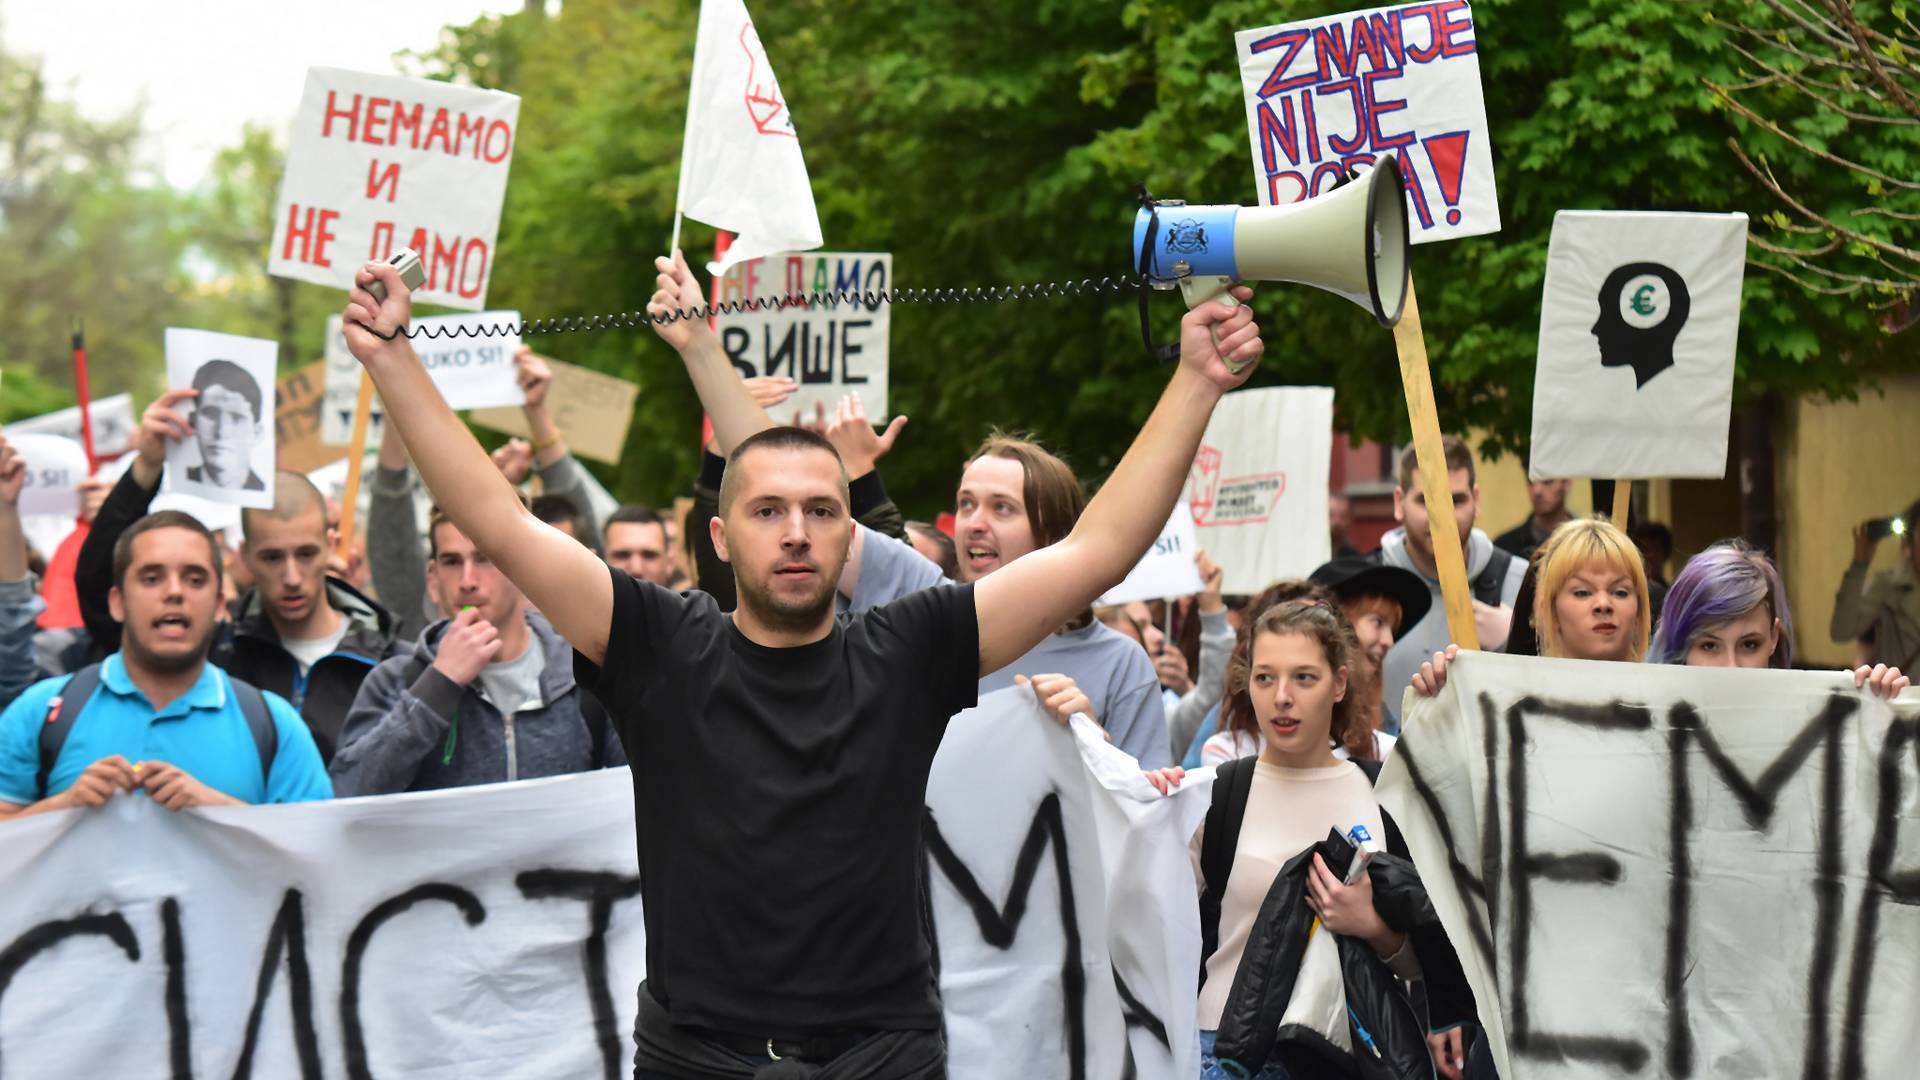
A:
x: 497, y: 931
x: 1671, y: 871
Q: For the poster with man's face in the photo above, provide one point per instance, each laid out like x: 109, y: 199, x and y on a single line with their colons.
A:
x: 227, y: 455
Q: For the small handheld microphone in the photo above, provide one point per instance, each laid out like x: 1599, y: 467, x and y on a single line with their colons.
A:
x: 412, y: 274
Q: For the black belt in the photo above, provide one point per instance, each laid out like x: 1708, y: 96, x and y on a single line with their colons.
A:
x: 815, y: 1048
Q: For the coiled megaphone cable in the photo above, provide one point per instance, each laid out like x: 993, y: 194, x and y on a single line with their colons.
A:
x: 828, y: 300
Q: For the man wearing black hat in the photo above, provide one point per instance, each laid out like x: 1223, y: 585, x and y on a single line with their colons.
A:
x: 1381, y: 602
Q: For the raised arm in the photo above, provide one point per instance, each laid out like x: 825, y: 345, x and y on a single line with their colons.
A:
x: 565, y: 580
x: 1034, y: 595
x: 730, y: 405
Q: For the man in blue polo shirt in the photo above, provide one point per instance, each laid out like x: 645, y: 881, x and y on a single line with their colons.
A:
x: 160, y: 721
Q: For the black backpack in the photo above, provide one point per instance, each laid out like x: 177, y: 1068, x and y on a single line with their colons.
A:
x: 1232, y: 783
x: 65, y: 710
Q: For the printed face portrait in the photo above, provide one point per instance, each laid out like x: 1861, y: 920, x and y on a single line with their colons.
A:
x: 1643, y: 307
x: 226, y: 425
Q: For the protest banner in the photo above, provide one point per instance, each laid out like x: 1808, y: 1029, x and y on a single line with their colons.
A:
x: 343, y: 392
x: 470, y: 372
x: 299, y: 399
x: 1638, y: 322
x: 230, y: 458
x: 1258, y: 489
x: 829, y: 351
x: 1325, y: 95
x: 55, y: 464
x: 113, y: 424
x: 391, y: 936
x: 378, y: 163
x: 592, y: 409
x: 1168, y: 567
x: 1670, y: 871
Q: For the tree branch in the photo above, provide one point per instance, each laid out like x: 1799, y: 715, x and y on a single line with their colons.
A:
x: 1767, y: 181
x: 1800, y: 144
x: 1844, y: 290
x: 1806, y: 87
x: 1865, y: 50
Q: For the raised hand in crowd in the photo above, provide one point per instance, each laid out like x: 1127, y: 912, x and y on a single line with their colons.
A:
x: 1060, y: 696
x: 770, y: 390
x: 93, y: 491
x: 1864, y: 543
x: 860, y: 446
x: 1210, y: 599
x: 1880, y: 680
x: 514, y: 459
x: 469, y: 645
x: 535, y: 375
x: 173, y: 788
x: 13, y: 542
x: 161, y: 423
x: 1170, y: 665
x: 13, y: 473
x: 1432, y: 676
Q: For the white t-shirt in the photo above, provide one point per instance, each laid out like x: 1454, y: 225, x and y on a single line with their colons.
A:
x: 308, y: 651
x: 1229, y: 745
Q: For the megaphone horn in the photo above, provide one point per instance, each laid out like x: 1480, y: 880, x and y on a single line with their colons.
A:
x: 1351, y: 241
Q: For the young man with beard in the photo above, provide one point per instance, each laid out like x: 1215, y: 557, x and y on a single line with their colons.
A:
x: 781, y: 754
x: 158, y: 719
x: 300, y: 632
x: 487, y: 696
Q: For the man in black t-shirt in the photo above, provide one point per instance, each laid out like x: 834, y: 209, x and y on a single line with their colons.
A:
x: 781, y: 753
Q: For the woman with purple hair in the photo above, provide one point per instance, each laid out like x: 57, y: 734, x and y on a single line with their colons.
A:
x: 1728, y: 608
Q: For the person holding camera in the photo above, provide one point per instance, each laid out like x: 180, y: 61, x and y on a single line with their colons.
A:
x: 1887, y: 610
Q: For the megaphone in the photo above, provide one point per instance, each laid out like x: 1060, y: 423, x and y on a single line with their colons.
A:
x: 1351, y: 241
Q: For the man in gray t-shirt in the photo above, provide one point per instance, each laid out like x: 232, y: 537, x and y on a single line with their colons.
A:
x: 993, y: 526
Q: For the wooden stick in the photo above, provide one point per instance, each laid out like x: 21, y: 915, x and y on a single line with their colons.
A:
x: 1411, y: 343
x: 356, y: 453
x: 1622, y: 502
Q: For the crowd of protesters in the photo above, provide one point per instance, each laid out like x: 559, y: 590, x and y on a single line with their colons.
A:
x: 497, y: 637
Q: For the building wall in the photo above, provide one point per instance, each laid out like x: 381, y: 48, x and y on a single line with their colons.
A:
x: 1839, y: 463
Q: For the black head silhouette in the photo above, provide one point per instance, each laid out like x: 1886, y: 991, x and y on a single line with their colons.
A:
x: 1643, y: 305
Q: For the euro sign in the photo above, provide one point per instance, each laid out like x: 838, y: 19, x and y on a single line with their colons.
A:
x: 1642, y: 302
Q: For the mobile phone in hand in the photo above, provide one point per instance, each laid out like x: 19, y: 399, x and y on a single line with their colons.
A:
x: 1881, y: 528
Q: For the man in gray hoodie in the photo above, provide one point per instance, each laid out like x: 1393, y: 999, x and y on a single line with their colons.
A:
x: 487, y: 695
x: 1494, y: 575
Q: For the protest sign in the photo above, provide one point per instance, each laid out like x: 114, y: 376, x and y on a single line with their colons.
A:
x: 1258, y: 488
x: 1669, y: 871
x: 230, y: 456
x: 1168, y: 567
x: 55, y: 464
x: 1638, y: 323
x: 829, y: 351
x: 740, y: 163
x: 591, y: 408
x: 470, y: 372
x: 343, y: 393
x: 297, y: 417
x: 378, y: 163
x: 1325, y: 95
x: 113, y: 424
x: 389, y: 936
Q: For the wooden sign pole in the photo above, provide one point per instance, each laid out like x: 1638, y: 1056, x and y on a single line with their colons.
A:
x: 356, y: 453
x: 1622, y: 502
x: 1411, y: 343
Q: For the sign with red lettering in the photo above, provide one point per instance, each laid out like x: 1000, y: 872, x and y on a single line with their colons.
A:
x: 379, y: 163
x: 1259, y: 498
x: 829, y: 350
x: 1330, y: 94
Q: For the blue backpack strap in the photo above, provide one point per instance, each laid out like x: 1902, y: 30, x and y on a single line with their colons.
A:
x: 62, y: 711
x: 266, y: 736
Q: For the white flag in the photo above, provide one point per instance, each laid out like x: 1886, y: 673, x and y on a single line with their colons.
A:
x: 740, y: 163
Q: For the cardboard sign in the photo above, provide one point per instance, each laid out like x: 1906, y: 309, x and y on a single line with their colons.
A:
x: 229, y: 455
x: 297, y: 420
x: 1638, y: 323
x: 830, y: 351
x: 1167, y: 569
x: 591, y: 408
x: 113, y: 418
x: 55, y: 465
x: 378, y: 163
x: 1326, y: 95
x: 471, y: 372
x: 1664, y: 871
x: 1258, y: 488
